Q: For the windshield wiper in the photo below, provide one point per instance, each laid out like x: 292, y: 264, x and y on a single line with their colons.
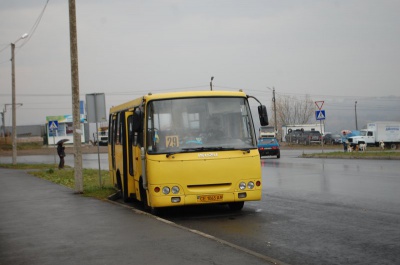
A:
x: 211, y: 148
x: 170, y: 154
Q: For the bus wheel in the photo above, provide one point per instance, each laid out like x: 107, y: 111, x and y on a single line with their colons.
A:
x: 155, y: 210
x: 235, y: 206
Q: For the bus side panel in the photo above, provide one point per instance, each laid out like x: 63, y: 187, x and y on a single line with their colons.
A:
x: 129, y: 155
x: 137, y: 168
x: 119, y: 162
x: 111, y: 170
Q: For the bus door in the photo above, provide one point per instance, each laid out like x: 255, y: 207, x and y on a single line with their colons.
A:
x: 129, y: 146
x: 111, y: 144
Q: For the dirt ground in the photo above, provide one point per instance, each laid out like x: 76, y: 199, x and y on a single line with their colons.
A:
x: 45, y: 150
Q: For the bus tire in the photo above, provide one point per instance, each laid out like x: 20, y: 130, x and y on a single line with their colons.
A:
x: 155, y: 210
x: 236, y: 206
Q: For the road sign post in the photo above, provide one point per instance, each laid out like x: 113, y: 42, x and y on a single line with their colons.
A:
x: 53, y: 126
x: 320, y: 116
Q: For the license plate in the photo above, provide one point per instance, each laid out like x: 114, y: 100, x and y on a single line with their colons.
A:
x: 210, y: 198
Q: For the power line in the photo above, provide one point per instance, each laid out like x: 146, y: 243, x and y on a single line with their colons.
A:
x: 31, y: 32
x: 35, y: 25
x: 143, y: 92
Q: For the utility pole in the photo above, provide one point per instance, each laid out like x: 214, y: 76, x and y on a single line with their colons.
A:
x: 355, y: 111
x: 3, y: 117
x: 14, y: 114
x: 273, y: 100
x: 14, y: 107
x: 75, y: 99
x: 3, y: 127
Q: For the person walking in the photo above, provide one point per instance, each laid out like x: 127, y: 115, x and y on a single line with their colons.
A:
x: 61, y: 154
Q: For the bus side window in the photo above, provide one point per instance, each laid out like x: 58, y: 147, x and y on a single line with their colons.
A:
x: 119, y: 128
x: 110, y: 129
x: 130, y: 145
x: 114, y: 128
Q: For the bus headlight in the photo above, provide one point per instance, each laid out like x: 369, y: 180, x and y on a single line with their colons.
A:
x: 250, y: 185
x: 165, y: 190
x: 242, y: 185
x: 175, y: 189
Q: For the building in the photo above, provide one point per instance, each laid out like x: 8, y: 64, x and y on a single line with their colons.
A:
x: 61, y: 127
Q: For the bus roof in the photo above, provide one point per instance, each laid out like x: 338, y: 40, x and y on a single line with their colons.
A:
x: 138, y: 101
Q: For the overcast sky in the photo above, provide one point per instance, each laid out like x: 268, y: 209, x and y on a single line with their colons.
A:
x: 331, y: 50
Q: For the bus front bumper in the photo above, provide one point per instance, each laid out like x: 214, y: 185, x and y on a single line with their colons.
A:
x: 198, y: 199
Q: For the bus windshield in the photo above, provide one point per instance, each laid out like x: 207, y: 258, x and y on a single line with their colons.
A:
x: 199, y: 124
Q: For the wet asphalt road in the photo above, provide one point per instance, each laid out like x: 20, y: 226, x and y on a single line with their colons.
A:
x: 313, y: 211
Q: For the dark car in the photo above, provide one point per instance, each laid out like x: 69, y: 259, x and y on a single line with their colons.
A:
x: 330, y: 138
x: 309, y: 137
x: 293, y: 136
x: 269, y: 147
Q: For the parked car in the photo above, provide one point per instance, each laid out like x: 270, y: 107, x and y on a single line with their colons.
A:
x: 309, y: 137
x: 269, y: 147
x: 293, y: 136
x: 330, y: 138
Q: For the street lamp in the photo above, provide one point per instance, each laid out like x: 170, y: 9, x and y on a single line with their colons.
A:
x: 355, y: 111
x: 14, y: 108
x: 273, y: 100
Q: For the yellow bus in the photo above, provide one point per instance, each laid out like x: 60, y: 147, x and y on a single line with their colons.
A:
x: 186, y: 148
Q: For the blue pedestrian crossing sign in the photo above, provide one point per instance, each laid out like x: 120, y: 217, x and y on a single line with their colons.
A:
x: 320, y: 115
x: 53, y: 125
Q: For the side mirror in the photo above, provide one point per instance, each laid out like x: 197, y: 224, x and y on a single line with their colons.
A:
x: 262, y: 113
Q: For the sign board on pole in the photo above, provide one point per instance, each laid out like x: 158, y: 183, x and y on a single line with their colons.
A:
x: 96, y: 112
x: 96, y: 107
x: 53, y: 125
x: 320, y: 115
x: 319, y: 104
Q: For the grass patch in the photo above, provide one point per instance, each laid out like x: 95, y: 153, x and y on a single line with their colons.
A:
x: 360, y: 155
x: 22, y: 146
x: 65, y: 177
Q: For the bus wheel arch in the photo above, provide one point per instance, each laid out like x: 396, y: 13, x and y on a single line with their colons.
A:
x: 119, y: 181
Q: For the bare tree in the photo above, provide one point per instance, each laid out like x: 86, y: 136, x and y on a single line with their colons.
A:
x: 294, y: 110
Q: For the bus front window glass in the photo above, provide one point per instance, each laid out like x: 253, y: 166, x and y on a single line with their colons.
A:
x: 190, y: 124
